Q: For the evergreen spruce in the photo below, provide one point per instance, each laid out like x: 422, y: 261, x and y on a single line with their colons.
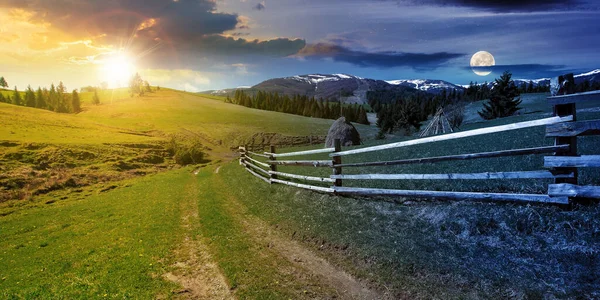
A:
x: 504, y: 100
x: 96, y: 99
x: 75, y: 103
x: 16, y: 100
x: 52, y: 98
x: 362, y: 116
x: 40, y: 99
x: 29, y: 97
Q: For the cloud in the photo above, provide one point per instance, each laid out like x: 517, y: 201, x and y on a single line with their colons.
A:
x: 184, y: 79
x: 508, y: 5
x: 417, y: 61
x: 117, y: 18
x: 526, y: 70
x: 260, y: 6
x: 278, y: 47
x: 177, y: 30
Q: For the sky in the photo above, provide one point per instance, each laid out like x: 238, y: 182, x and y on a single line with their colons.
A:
x: 197, y: 45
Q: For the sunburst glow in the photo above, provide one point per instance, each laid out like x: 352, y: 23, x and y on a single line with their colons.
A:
x: 117, y: 70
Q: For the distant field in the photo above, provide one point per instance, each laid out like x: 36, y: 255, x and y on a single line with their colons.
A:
x: 215, y: 97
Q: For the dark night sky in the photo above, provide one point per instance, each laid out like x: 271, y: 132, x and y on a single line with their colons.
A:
x: 203, y: 44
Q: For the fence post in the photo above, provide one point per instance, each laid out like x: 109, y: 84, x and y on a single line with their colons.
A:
x: 567, y: 86
x: 337, y: 160
x: 243, y: 154
x: 273, y: 167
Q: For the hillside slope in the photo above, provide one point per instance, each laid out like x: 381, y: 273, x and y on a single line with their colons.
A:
x: 43, y: 151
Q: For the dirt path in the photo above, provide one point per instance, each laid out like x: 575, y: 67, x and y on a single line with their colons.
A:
x: 195, y: 269
x: 346, y: 286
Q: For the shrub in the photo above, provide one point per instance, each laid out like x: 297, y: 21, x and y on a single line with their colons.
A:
x: 187, y: 154
x: 185, y: 151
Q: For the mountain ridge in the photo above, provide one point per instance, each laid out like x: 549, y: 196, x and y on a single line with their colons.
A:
x: 354, y: 89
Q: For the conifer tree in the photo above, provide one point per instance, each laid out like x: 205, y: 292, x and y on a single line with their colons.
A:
x: 530, y: 87
x: 3, y: 82
x: 52, y: 98
x: 362, y: 116
x: 29, y: 97
x: 61, y: 103
x: 504, y: 100
x: 75, y: 103
x: 16, y: 100
x: 147, y: 87
x: 2, y: 99
x: 96, y: 99
x: 40, y: 99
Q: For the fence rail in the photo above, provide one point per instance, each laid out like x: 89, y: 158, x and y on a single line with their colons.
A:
x: 299, y: 153
x: 457, y: 135
x: 562, y: 165
x: 501, y: 153
x: 458, y: 176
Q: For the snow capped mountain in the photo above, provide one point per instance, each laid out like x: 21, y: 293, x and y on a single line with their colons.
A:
x: 591, y: 73
x: 318, y: 78
x: 354, y: 89
x: 427, y: 85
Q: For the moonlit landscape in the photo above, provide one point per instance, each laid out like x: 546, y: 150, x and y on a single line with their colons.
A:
x: 299, y: 149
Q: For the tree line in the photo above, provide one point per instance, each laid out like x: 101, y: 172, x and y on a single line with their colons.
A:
x: 408, y: 112
x: 55, y: 99
x: 300, y: 105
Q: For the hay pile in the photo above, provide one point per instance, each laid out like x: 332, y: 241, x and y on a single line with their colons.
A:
x: 343, y: 130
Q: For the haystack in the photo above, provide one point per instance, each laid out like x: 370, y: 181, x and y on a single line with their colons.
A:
x: 343, y: 130
x: 439, y: 124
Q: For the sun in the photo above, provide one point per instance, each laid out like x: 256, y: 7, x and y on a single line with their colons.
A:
x: 117, y: 70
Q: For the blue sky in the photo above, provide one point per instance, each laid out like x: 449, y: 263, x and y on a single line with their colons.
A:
x: 206, y: 44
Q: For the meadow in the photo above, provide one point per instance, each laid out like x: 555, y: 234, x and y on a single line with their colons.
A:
x: 120, y: 219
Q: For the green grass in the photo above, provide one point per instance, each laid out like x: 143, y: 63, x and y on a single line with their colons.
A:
x: 107, y: 231
x: 253, y: 270
x: 432, y: 249
x: 523, y: 138
x: 214, y: 97
x: 107, y: 244
x: 127, y: 136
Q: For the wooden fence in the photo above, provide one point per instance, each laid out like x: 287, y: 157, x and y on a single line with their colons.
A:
x: 562, y: 165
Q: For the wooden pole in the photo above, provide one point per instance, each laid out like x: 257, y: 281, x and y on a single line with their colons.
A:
x: 567, y: 86
x: 337, y: 160
x: 244, y: 153
x: 273, y: 167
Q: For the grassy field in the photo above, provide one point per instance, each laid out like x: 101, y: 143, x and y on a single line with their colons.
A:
x: 76, y: 190
x: 93, y: 205
x: 96, y: 244
x: 125, y: 137
x: 436, y: 249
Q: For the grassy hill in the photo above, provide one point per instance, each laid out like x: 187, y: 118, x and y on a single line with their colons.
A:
x: 124, y: 137
x: 93, y: 205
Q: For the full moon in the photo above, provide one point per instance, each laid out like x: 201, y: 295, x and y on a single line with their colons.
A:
x: 482, y: 59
